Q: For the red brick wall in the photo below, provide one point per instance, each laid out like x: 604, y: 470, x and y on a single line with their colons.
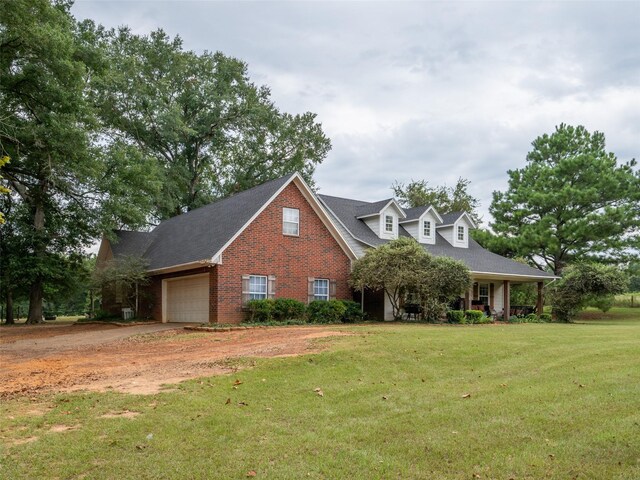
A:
x: 262, y: 249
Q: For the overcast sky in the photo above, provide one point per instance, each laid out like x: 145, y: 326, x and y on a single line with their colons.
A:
x: 422, y: 90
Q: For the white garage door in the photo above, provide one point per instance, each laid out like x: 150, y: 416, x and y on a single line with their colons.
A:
x: 188, y: 299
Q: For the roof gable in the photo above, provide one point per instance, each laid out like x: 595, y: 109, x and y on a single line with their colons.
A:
x: 448, y: 219
x: 197, y: 235
x: 416, y: 213
x: 376, y: 208
x: 201, y: 235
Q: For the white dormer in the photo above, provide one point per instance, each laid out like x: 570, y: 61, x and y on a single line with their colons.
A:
x: 383, y: 218
x: 455, y: 229
x: 423, y: 228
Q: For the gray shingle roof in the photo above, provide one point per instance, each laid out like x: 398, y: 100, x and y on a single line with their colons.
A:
x: 373, y: 208
x: 449, y: 218
x: 200, y: 233
x: 130, y: 243
x: 476, y: 258
x: 346, y: 211
x: 414, y: 213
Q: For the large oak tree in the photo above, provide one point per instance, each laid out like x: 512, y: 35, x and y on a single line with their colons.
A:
x: 62, y: 184
x: 212, y: 131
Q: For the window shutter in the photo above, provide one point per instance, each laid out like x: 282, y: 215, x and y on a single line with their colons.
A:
x: 491, y: 293
x: 271, y: 286
x: 245, y: 289
x: 310, y: 290
x: 476, y: 291
x: 332, y: 289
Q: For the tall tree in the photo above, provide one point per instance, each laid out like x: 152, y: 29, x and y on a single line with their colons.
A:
x: 59, y: 177
x: 572, y: 200
x: 418, y: 193
x: 198, y: 116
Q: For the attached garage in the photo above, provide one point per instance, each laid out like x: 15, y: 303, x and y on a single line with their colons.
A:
x: 186, y: 299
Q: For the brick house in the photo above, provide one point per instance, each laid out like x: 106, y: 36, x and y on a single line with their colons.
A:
x: 274, y: 240
x: 280, y: 239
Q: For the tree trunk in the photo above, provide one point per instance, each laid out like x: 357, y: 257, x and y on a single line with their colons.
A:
x: 35, y: 302
x: 9, y: 298
x: 37, y: 287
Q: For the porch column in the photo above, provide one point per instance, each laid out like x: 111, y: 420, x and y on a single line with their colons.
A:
x: 506, y: 287
x: 466, y: 300
x: 539, y: 305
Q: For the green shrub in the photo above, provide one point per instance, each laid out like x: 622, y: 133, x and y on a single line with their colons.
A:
x: 353, y: 312
x: 515, y: 319
x: 323, y: 311
x: 433, y: 310
x: 532, y: 318
x: 545, y: 317
x: 287, y: 309
x: 474, y: 316
x: 484, y: 320
x: 260, y: 310
x: 456, y: 316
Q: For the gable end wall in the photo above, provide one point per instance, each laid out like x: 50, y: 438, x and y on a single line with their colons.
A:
x: 262, y: 249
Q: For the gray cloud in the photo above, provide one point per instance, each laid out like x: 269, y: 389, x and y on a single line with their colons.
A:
x: 423, y: 90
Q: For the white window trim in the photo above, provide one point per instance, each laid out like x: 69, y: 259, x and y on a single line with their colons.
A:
x: 460, y: 231
x: 386, y: 224
x: 286, y: 222
x: 321, y: 297
x: 424, y: 228
x: 264, y: 295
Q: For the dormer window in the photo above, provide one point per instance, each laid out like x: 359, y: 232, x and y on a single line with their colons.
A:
x: 388, y: 223
x: 461, y: 233
x: 426, y: 228
x: 291, y: 221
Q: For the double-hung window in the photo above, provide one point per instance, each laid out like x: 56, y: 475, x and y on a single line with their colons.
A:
x: 461, y: 233
x: 321, y: 289
x: 291, y: 221
x: 257, y: 287
x: 483, y: 293
x: 388, y: 223
x: 426, y: 228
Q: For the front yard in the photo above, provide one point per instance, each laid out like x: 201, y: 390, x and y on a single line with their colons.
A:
x: 526, y: 401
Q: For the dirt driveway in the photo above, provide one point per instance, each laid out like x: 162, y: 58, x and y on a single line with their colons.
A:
x: 135, y: 359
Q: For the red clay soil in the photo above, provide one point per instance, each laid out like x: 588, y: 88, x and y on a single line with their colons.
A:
x: 43, y: 359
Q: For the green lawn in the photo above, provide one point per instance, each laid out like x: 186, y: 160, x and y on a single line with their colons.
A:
x: 542, y: 401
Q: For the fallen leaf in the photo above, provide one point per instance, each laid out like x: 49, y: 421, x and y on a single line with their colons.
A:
x: 384, y: 398
x: 319, y: 392
x: 237, y: 382
x: 228, y: 401
x: 503, y: 384
x: 466, y: 395
x: 581, y: 386
x: 251, y: 473
x: 243, y: 404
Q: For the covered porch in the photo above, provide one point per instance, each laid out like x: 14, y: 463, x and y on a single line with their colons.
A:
x: 492, y: 292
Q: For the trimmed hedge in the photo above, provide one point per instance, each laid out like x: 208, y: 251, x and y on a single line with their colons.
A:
x: 261, y: 310
x: 474, y: 316
x: 323, y: 311
x: 288, y: 309
x: 456, y: 316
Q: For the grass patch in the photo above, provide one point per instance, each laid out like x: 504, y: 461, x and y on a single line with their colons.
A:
x: 524, y: 401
